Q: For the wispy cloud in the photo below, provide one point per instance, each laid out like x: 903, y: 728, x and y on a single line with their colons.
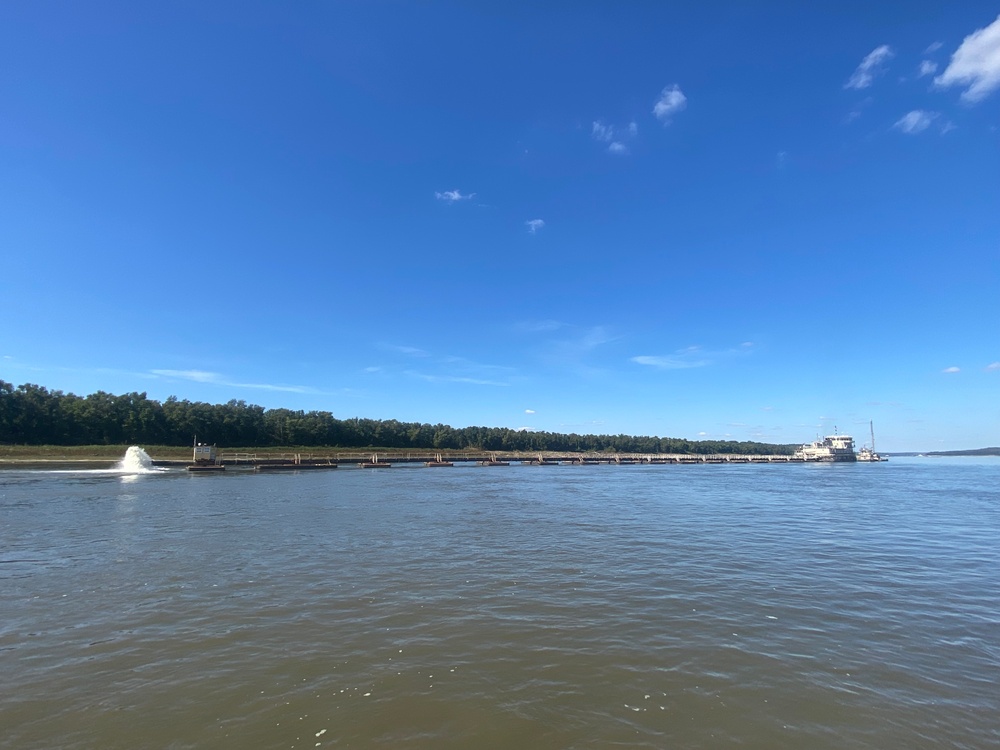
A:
x: 198, y: 376
x: 409, y: 351
x: 975, y: 64
x: 872, y: 66
x: 916, y: 121
x: 691, y: 357
x: 534, y: 225
x: 615, y: 137
x: 927, y: 68
x: 933, y: 47
x: 602, y: 132
x: 575, y: 348
x: 951, y: 369
x: 993, y: 366
x: 855, y: 113
x: 453, y: 196
x: 671, y: 101
x: 431, y: 378
x: 674, y: 362
x: 529, y: 411
x: 214, y: 378
x: 540, y: 326
x: 437, y: 368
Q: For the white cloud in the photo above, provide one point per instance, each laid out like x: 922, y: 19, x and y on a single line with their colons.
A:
x: 951, y: 369
x: 858, y: 110
x: 454, y: 379
x: 409, y: 351
x: 540, y: 326
x: 613, y: 136
x: 993, y: 366
x: 453, y: 196
x: 916, y: 121
x: 693, y: 356
x: 671, y: 101
x: 933, y: 47
x: 529, y: 411
x: 975, y: 64
x: 602, y: 132
x: 575, y: 348
x: 927, y: 67
x: 534, y: 225
x: 677, y: 362
x: 214, y: 378
x: 870, y: 67
x: 198, y: 376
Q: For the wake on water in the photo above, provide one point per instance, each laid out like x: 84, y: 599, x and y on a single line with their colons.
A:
x: 135, y: 461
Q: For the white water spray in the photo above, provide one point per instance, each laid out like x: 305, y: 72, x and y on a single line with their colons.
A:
x: 136, y: 461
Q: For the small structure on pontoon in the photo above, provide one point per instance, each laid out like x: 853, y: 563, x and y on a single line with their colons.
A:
x: 205, y: 458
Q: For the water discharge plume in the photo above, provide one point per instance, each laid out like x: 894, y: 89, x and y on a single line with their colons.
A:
x: 136, y: 461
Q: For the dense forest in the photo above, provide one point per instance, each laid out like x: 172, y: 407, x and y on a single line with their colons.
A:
x: 33, y: 415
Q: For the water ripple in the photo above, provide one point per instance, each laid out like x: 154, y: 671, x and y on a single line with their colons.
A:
x: 701, y: 606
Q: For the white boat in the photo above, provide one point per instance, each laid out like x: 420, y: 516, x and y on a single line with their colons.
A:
x: 830, y: 448
x: 868, y: 454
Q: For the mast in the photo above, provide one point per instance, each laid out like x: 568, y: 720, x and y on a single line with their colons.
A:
x: 871, y: 426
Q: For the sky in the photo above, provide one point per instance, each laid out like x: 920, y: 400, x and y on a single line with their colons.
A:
x: 723, y: 220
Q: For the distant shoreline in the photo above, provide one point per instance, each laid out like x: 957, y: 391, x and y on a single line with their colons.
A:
x: 973, y: 452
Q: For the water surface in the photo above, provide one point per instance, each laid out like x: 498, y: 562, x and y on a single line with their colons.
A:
x: 752, y: 606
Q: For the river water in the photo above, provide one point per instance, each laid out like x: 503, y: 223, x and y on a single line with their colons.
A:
x: 750, y: 606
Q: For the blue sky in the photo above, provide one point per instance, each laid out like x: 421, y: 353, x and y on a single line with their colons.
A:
x: 730, y: 221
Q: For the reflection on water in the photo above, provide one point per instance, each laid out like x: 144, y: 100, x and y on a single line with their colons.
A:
x: 684, y: 606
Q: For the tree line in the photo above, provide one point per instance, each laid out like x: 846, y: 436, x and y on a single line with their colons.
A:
x: 33, y: 415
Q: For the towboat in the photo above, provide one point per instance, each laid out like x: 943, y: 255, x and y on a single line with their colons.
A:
x: 830, y: 448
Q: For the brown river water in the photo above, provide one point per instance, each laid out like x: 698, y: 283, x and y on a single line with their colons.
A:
x: 749, y: 606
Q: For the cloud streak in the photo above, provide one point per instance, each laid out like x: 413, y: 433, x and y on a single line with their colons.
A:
x: 434, y: 368
x: 691, y: 357
x: 214, y: 378
x: 916, y: 121
x: 430, y: 378
x: 409, y: 351
x: 534, y: 225
x: 679, y: 362
x: 873, y: 65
